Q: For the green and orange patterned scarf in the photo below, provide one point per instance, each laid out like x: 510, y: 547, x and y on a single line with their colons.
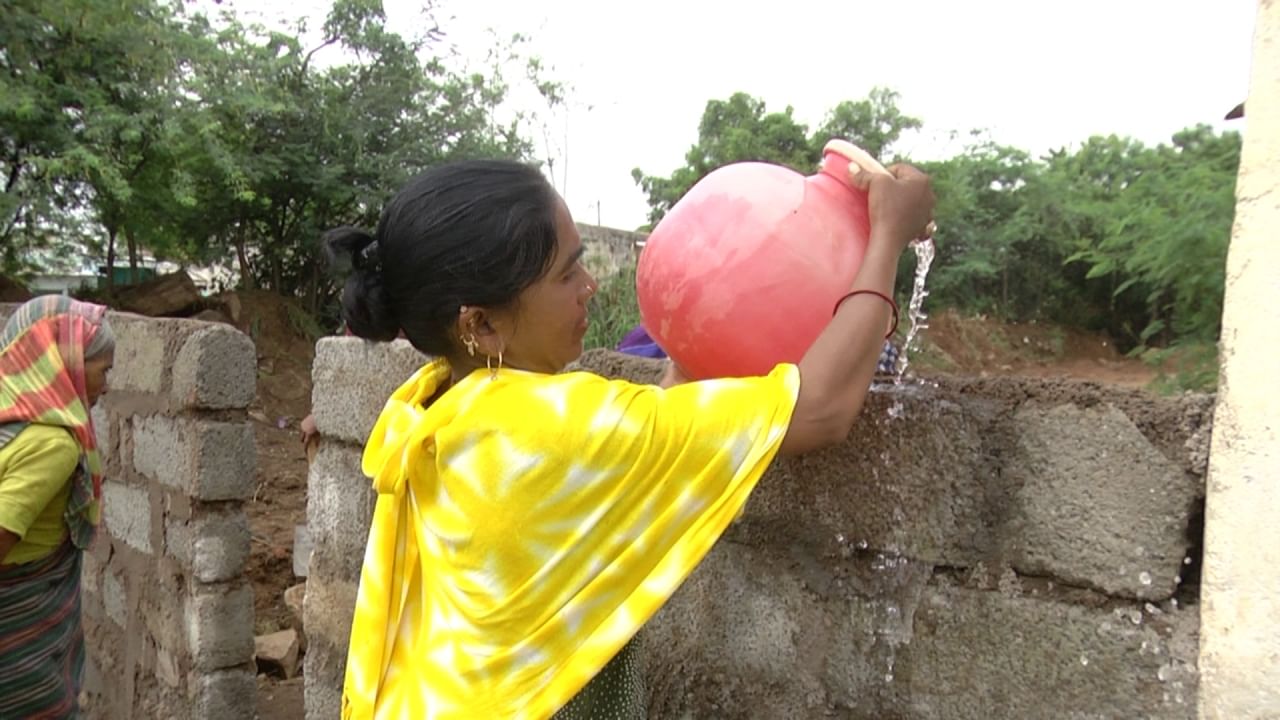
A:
x: 42, y: 380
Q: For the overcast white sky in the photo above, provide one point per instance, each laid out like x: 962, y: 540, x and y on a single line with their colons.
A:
x: 1035, y: 75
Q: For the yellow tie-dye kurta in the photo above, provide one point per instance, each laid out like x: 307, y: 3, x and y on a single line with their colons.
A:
x: 527, y: 526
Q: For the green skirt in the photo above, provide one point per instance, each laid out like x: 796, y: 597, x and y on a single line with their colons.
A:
x: 615, y: 693
x: 41, y: 640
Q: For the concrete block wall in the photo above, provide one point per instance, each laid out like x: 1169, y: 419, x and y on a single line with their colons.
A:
x: 608, y: 250
x: 351, y: 381
x: 976, y: 549
x: 168, y: 613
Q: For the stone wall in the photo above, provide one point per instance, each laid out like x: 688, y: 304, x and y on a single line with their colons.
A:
x: 168, y: 613
x: 976, y: 549
x: 351, y: 380
x: 609, y: 250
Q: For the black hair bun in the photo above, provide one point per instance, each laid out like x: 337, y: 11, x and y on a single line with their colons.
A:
x: 365, y: 311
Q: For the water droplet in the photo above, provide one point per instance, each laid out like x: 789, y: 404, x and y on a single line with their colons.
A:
x: 1173, y: 602
x: 888, y: 677
x: 1152, y: 609
x: 862, y: 544
x: 1135, y: 617
x: 1084, y: 659
x: 1144, y: 577
x: 1164, y: 673
x: 1186, y: 561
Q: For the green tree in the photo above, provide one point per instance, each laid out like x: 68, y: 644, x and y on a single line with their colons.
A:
x: 283, y: 150
x: 205, y: 141
x: 1159, y: 245
x: 874, y: 123
x: 740, y: 129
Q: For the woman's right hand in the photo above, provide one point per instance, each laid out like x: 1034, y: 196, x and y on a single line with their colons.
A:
x: 308, y: 430
x: 900, y: 204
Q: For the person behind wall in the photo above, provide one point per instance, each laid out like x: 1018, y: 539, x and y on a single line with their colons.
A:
x: 54, y: 357
x: 528, y: 521
x: 638, y: 342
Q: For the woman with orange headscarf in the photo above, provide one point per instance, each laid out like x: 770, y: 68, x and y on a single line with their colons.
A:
x: 54, y: 356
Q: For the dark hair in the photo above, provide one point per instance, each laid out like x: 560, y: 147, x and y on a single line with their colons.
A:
x: 476, y: 232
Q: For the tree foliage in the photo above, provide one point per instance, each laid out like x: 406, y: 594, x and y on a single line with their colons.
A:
x: 211, y: 141
x: 741, y: 129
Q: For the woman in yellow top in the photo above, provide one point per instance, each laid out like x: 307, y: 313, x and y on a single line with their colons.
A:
x: 529, y: 521
x: 54, y: 356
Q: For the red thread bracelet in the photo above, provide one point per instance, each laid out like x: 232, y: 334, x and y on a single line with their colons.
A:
x: 892, y: 328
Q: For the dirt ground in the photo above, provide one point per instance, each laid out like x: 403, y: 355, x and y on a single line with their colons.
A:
x: 279, y: 503
x: 980, y: 346
x: 953, y: 344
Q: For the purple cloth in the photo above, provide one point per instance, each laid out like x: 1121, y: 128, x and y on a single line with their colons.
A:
x: 638, y: 342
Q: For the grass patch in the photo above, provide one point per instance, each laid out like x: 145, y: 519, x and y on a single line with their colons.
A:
x: 614, y: 310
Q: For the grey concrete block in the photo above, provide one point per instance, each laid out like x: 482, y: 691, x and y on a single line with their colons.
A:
x: 102, y: 432
x: 351, y: 381
x: 1094, y: 503
x: 167, y: 668
x: 90, y: 575
x: 215, y: 368
x: 610, y: 364
x: 114, y: 599
x: 340, y: 502
x: 327, y: 613
x: 982, y: 655
x: 226, y: 461
x: 301, y: 551
x: 162, y: 607
x: 126, y: 511
x: 220, y: 627
x: 140, y: 359
x: 328, y: 609
x: 220, y: 545
x: 161, y: 449
x: 214, y: 545
x: 322, y: 670
x: 913, y: 478
x: 210, y: 460
x: 225, y: 695
x: 737, y: 641
x: 177, y: 539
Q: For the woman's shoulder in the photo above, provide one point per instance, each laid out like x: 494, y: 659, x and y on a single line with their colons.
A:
x: 46, y: 438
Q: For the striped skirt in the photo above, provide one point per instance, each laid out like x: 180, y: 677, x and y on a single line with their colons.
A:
x: 41, y: 638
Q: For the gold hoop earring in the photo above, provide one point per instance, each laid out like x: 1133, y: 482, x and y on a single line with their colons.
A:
x: 469, y: 342
x: 488, y: 363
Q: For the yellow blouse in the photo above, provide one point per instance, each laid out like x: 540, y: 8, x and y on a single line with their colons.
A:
x: 35, y: 474
x: 528, y: 525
